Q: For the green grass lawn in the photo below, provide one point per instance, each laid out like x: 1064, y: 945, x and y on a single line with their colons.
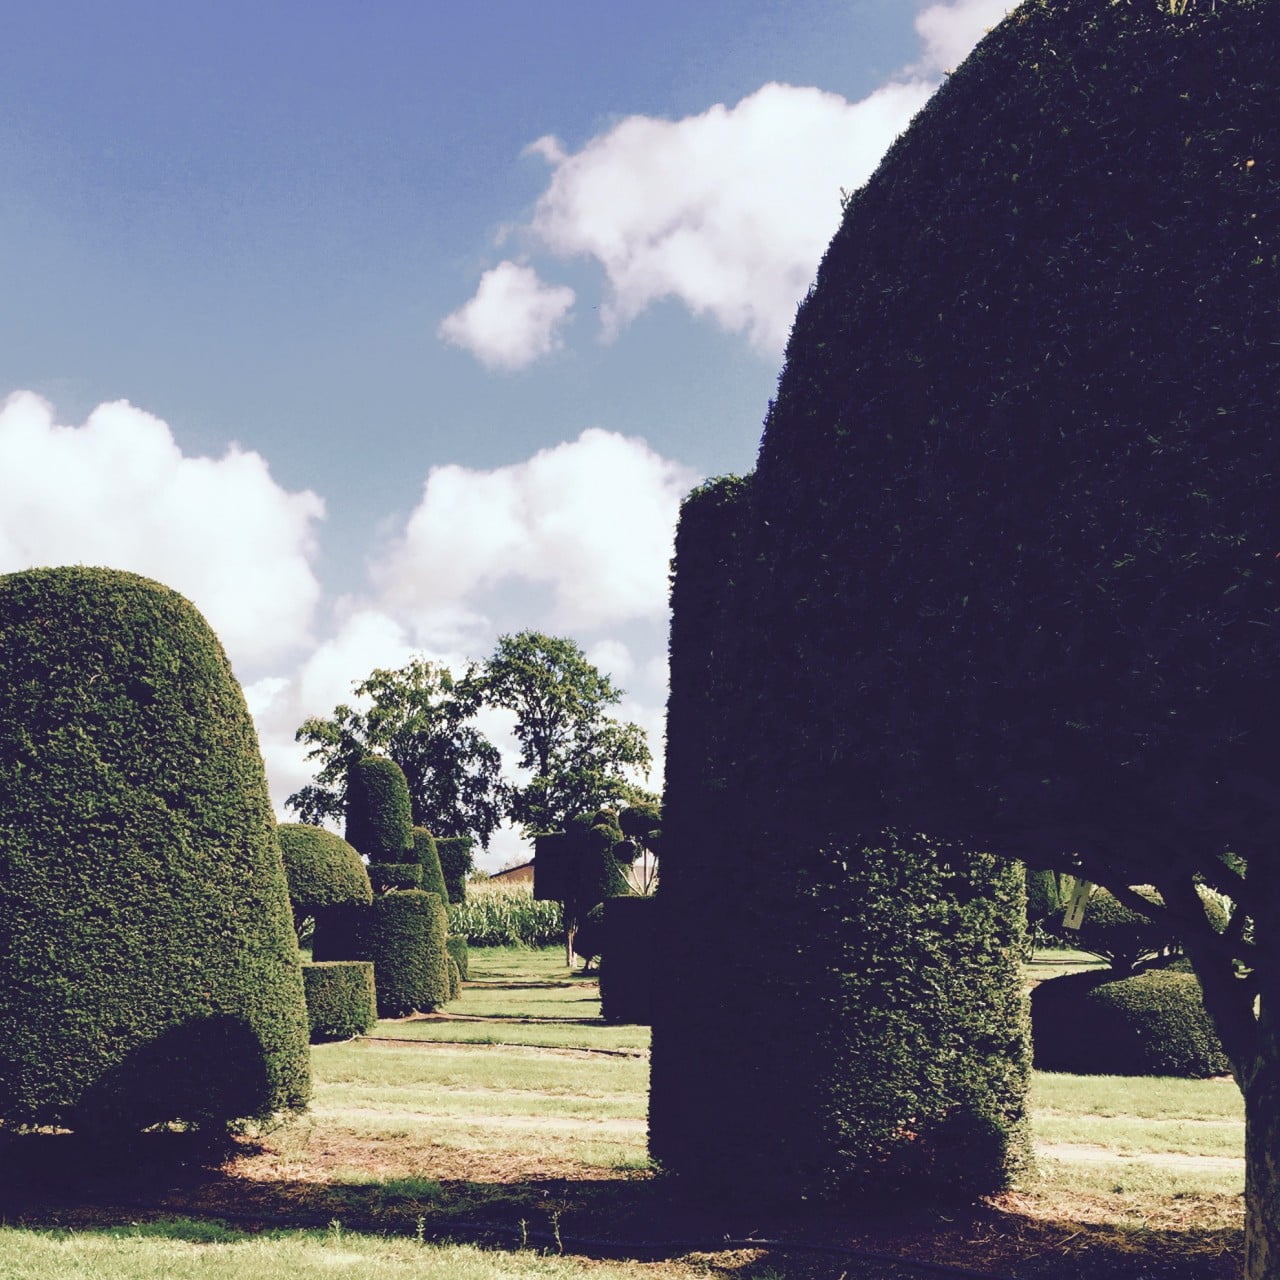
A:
x: 524, y: 1126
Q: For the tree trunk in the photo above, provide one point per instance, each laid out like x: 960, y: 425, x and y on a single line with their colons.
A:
x: 1262, y: 1165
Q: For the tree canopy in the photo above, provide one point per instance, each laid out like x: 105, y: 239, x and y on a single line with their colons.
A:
x: 420, y: 716
x: 578, y: 759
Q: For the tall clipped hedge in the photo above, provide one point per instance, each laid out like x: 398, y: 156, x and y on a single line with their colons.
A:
x: 379, y: 810
x: 148, y: 966
x: 628, y: 949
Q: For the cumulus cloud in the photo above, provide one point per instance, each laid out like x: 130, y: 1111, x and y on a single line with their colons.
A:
x: 591, y: 520
x: 949, y: 31
x: 513, y: 319
x: 728, y: 211
x: 119, y: 492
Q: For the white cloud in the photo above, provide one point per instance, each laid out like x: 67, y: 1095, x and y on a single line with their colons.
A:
x: 118, y: 492
x: 949, y: 31
x: 728, y: 211
x: 592, y: 520
x: 513, y: 320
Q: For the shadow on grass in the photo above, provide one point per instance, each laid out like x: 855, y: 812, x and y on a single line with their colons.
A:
x: 175, y: 1182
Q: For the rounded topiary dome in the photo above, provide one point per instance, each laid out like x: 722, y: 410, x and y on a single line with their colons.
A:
x: 148, y: 968
x: 1150, y: 1024
x: 323, y: 870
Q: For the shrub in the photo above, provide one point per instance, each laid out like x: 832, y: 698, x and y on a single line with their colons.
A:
x: 379, y: 813
x: 149, y: 970
x: 1121, y: 935
x: 322, y: 870
x: 506, y: 915
x: 456, y: 862
x: 385, y: 876
x: 341, y: 1000
x: 458, y: 952
x: 628, y: 946
x: 455, y: 977
x: 403, y: 933
x: 426, y: 852
x: 1150, y: 1024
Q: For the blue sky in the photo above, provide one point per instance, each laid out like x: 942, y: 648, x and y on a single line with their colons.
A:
x: 382, y: 329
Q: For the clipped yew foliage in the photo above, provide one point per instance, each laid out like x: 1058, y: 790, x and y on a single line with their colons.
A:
x: 456, y: 861
x: 341, y: 999
x: 379, y: 810
x: 1151, y: 1023
x: 627, y: 948
x: 385, y: 876
x: 149, y: 970
x: 322, y: 869
x: 404, y: 934
x: 460, y: 953
x: 426, y: 851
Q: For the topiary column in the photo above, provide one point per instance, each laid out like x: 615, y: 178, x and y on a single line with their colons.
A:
x: 149, y: 970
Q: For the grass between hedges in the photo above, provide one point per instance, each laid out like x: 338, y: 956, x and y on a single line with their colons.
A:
x: 545, y: 1140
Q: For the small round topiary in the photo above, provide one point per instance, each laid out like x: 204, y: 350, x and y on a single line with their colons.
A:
x: 1151, y: 1024
x: 379, y: 811
x: 341, y: 999
x: 149, y: 970
x: 322, y: 869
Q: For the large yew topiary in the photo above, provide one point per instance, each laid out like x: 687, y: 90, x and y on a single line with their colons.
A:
x: 148, y: 967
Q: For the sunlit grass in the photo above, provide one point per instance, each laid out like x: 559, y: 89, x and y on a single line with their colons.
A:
x: 161, y: 1251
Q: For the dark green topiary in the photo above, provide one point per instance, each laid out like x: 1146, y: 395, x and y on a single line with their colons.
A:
x: 455, y: 977
x: 341, y: 1000
x: 379, y: 811
x: 386, y: 876
x: 460, y: 953
x: 456, y: 862
x: 425, y: 851
x: 1151, y: 1024
x: 862, y: 1005
x: 588, y: 939
x: 149, y: 971
x: 628, y: 954
x: 1118, y: 933
x: 404, y: 934
x: 322, y: 870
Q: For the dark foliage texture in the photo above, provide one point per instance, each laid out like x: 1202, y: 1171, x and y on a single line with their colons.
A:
x: 456, y: 862
x: 1149, y: 1024
x: 627, y: 950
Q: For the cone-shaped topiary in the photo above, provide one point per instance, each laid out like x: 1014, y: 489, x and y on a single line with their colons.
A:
x: 322, y: 869
x: 148, y: 967
x: 379, y: 810
x: 424, y: 849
